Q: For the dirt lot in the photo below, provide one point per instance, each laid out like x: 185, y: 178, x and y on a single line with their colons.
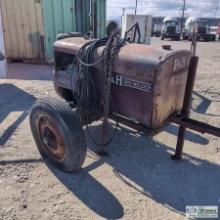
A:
x: 137, y: 181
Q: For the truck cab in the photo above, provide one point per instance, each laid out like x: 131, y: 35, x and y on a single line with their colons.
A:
x: 170, y: 28
x: 203, y: 30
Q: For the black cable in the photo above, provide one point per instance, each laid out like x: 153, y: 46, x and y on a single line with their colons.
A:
x: 87, y: 86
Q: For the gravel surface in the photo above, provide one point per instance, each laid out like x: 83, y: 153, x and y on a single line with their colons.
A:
x: 136, y: 181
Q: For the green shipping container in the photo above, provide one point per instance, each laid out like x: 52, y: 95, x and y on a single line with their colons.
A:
x: 71, y: 16
x: 31, y: 26
x: 100, y: 7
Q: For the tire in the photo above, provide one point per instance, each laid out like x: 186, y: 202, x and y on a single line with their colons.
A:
x: 58, y: 134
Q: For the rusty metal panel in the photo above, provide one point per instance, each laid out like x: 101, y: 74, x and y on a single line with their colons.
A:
x: 23, y: 29
x: 154, y: 80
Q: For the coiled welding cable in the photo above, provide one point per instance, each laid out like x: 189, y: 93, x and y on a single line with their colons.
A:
x: 87, y: 85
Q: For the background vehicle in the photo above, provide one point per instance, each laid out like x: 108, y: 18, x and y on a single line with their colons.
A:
x: 214, y: 31
x: 170, y: 28
x: 156, y: 30
x: 218, y: 32
x: 203, y: 30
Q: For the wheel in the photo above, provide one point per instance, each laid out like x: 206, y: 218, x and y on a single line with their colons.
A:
x: 58, y: 134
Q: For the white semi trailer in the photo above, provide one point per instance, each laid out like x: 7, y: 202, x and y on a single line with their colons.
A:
x: 156, y: 30
x: 203, y: 29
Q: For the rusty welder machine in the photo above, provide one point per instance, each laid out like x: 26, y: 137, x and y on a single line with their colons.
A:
x: 140, y: 88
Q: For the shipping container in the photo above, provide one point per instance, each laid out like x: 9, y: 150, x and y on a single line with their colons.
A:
x: 58, y: 17
x: 23, y: 29
x: 31, y: 26
x: 83, y: 15
x: 72, y: 16
x: 99, y: 17
x: 3, y: 65
x: 145, y: 24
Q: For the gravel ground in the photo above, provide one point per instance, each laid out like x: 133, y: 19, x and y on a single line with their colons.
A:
x: 136, y: 181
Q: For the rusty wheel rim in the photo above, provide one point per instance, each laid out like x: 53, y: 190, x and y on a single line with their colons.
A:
x: 51, y: 137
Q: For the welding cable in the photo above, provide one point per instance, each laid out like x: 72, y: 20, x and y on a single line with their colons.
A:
x: 88, y: 57
x: 100, y: 42
x: 89, y: 54
x: 87, y: 85
x: 87, y: 76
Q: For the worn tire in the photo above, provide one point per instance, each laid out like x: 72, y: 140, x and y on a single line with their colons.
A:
x: 65, y: 144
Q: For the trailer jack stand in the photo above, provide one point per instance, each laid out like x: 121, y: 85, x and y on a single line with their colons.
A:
x: 194, y: 125
x: 180, y: 144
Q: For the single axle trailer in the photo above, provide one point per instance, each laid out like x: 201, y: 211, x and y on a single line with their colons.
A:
x: 140, y: 86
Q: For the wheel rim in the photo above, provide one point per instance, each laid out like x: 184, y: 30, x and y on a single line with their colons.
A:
x: 51, y: 137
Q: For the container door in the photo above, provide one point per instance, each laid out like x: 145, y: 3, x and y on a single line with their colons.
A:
x: 98, y: 9
x: 23, y: 29
x: 82, y: 9
x: 101, y: 18
x: 59, y: 17
x: 2, y: 50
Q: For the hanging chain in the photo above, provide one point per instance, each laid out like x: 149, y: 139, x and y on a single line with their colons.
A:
x: 109, y: 55
x: 112, y: 45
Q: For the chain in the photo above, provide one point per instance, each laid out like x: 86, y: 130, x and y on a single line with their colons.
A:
x: 112, y: 45
x: 109, y: 55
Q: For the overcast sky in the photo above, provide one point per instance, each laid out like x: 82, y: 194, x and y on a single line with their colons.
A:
x: 201, y: 8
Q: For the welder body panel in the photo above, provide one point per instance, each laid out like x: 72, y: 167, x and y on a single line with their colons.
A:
x: 148, y: 83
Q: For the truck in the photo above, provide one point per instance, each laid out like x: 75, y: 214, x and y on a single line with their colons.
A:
x: 171, y: 28
x: 218, y: 32
x: 214, y: 31
x: 204, y: 31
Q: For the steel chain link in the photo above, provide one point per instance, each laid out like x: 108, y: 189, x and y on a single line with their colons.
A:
x: 109, y: 55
